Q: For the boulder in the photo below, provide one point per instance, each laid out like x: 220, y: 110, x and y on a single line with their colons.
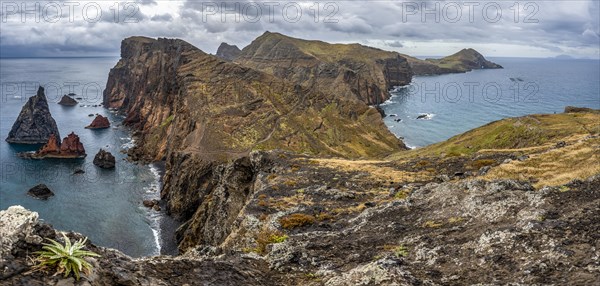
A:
x: 41, y: 192
x: 35, y: 123
x: 422, y: 116
x: 104, y: 159
x: 78, y: 172
x: 67, y: 101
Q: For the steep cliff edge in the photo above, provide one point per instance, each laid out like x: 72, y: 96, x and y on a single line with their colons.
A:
x: 196, y: 111
x: 35, y: 123
x: 354, y: 71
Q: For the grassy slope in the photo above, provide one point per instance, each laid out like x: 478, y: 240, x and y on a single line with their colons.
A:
x: 535, y: 136
x: 332, y: 52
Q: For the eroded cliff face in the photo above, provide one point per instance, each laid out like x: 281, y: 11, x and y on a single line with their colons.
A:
x: 196, y: 111
x: 354, y: 71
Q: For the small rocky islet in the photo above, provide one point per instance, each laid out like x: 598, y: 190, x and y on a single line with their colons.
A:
x: 292, y: 184
x: 67, y: 101
x: 35, y: 124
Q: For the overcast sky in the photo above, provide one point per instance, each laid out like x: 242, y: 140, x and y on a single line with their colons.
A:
x: 500, y: 28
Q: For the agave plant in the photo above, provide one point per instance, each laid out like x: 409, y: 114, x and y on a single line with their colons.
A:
x: 65, y: 258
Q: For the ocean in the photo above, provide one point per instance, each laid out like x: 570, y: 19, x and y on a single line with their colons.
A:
x: 455, y: 103
x: 105, y: 205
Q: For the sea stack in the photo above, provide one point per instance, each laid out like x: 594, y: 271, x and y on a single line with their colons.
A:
x: 100, y: 122
x: 67, y: 101
x: 35, y: 123
x: 71, y: 148
x: 104, y: 159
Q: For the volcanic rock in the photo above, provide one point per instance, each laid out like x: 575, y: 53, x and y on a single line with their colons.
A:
x: 104, y: 159
x: 228, y: 52
x: 67, y: 101
x: 72, y: 146
x: 51, y: 147
x: 35, y: 123
x: 41, y: 192
x: 100, y: 122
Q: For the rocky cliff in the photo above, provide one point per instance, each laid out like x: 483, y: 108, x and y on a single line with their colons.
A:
x: 195, y: 111
x: 463, y: 61
x: 354, y: 71
x: 35, y: 123
x: 228, y: 52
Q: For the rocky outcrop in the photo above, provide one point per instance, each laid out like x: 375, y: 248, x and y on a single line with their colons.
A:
x: 71, y: 148
x: 463, y: 61
x: 100, y: 122
x: 67, y: 101
x: 35, y: 123
x: 51, y: 147
x: 104, y: 159
x: 173, y: 94
x: 574, y: 109
x: 354, y: 71
x: 41, y: 192
x: 23, y: 234
x: 228, y: 52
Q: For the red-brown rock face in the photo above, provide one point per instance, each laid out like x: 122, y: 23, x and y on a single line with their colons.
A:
x: 99, y: 123
x: 51, y: 147
x: 71, y: 146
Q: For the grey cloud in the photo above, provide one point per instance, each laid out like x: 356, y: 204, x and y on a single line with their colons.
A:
x: 162, y: 18
x: 563, y: 26
x: 395, y: 44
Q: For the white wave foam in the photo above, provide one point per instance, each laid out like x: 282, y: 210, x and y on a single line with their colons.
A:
x: 155, y: 217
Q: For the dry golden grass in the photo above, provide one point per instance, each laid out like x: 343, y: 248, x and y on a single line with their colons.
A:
x: 296, y: 220
x: 376, y: 169
x: 579, y: 160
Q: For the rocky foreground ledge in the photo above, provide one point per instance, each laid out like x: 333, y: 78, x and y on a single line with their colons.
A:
x: 23, y: 233
x: 451, y: 233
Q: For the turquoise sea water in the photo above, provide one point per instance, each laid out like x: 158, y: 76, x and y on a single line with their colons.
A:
x: 102, y: 204
x: 456, y: 103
